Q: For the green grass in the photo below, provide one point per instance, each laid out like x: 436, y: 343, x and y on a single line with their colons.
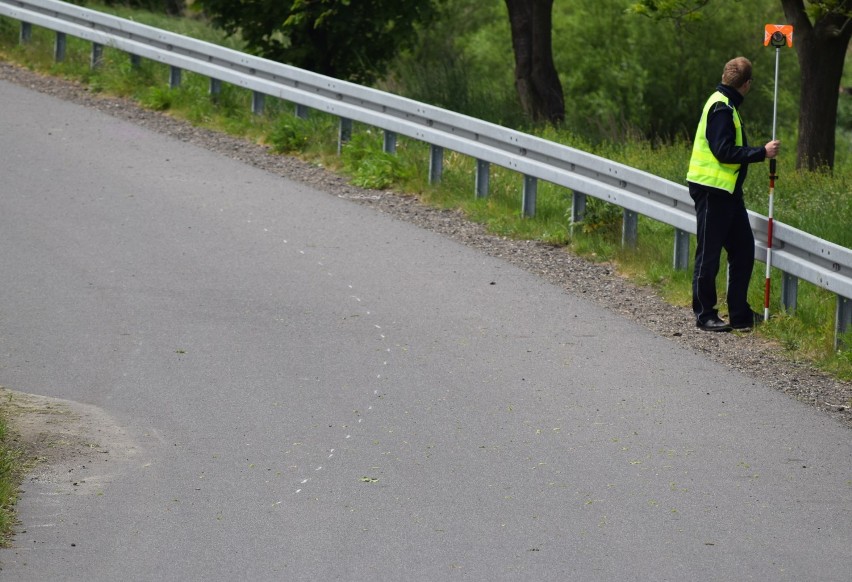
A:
x: 818, y: 203
x: 11, y: 470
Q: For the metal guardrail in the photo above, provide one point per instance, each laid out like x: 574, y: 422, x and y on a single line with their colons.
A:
x: 797, y: 254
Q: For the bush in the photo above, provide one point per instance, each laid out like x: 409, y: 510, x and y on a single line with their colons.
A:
x: 289, y: 134
x: 369, y: 165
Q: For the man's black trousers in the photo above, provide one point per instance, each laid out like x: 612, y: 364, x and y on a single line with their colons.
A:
x: 722, y: 222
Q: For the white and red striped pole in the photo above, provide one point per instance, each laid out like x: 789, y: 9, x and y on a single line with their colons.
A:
x: 778, y: 35
x: 772, y: 177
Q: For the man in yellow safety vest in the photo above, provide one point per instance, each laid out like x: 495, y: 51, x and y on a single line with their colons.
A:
x: 717, y: 170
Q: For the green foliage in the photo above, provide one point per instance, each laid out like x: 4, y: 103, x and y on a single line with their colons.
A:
x: 340, y: 38
x: 377, y: 172
x: 124, y: 78
x: 370, y: 166
x: 678, y: 10
x: 461, y: 60
x: 816, y: 202
x: 817, y: 9
x: 7, y: 29
x: 171, y: 7
x: 618, y: 81
x: 842, y: 363
x: 605, y: 90
x: 601, y: 217
x: 290, y: 134
x: 10, y: 477
x: 158, y: 99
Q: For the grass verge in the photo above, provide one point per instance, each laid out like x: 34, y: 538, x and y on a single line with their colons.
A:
x: 12, y: 468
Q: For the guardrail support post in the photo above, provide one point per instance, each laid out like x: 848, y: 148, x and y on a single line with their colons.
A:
x: 174, y: 77
x: 843, y: 321
x: 578, y: 208
x: 97, y: 55
x: 26, y: 32
x: 630, y: 229
x: 302, y: 111
x: 59, y: 47
x: 389, y: 146
x: 215, y: 89
x: 789, y: 292
x: 681, y: 250
x: 482, y: 182
x: 436, y: 164
x: 344, y: 134
x: 530, y: 192
x: 258, y: 100
x: 135, y: 61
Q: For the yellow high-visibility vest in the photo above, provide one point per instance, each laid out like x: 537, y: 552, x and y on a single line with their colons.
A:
x: 704, y: 168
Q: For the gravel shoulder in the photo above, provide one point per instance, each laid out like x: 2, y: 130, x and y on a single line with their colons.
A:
x: 750, y: 354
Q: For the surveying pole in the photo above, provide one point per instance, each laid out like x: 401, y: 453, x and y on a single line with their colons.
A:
x: 777, y: 35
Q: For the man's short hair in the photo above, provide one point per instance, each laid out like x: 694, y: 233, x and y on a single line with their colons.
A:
x: 737, y: 72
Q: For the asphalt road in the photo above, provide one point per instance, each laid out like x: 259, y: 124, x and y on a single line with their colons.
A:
x: 309, y: 390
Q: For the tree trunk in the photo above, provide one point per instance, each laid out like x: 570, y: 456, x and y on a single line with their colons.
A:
x: 536, y: 79
x: 821, y: 48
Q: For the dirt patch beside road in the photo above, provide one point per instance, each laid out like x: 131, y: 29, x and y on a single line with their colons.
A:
x: 65, y: 443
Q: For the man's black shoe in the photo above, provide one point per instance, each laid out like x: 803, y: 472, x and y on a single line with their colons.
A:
x: 713, y: 324
x: 756, y: 319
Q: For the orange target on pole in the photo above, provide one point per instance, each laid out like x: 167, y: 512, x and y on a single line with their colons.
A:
x: 778, y: 35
